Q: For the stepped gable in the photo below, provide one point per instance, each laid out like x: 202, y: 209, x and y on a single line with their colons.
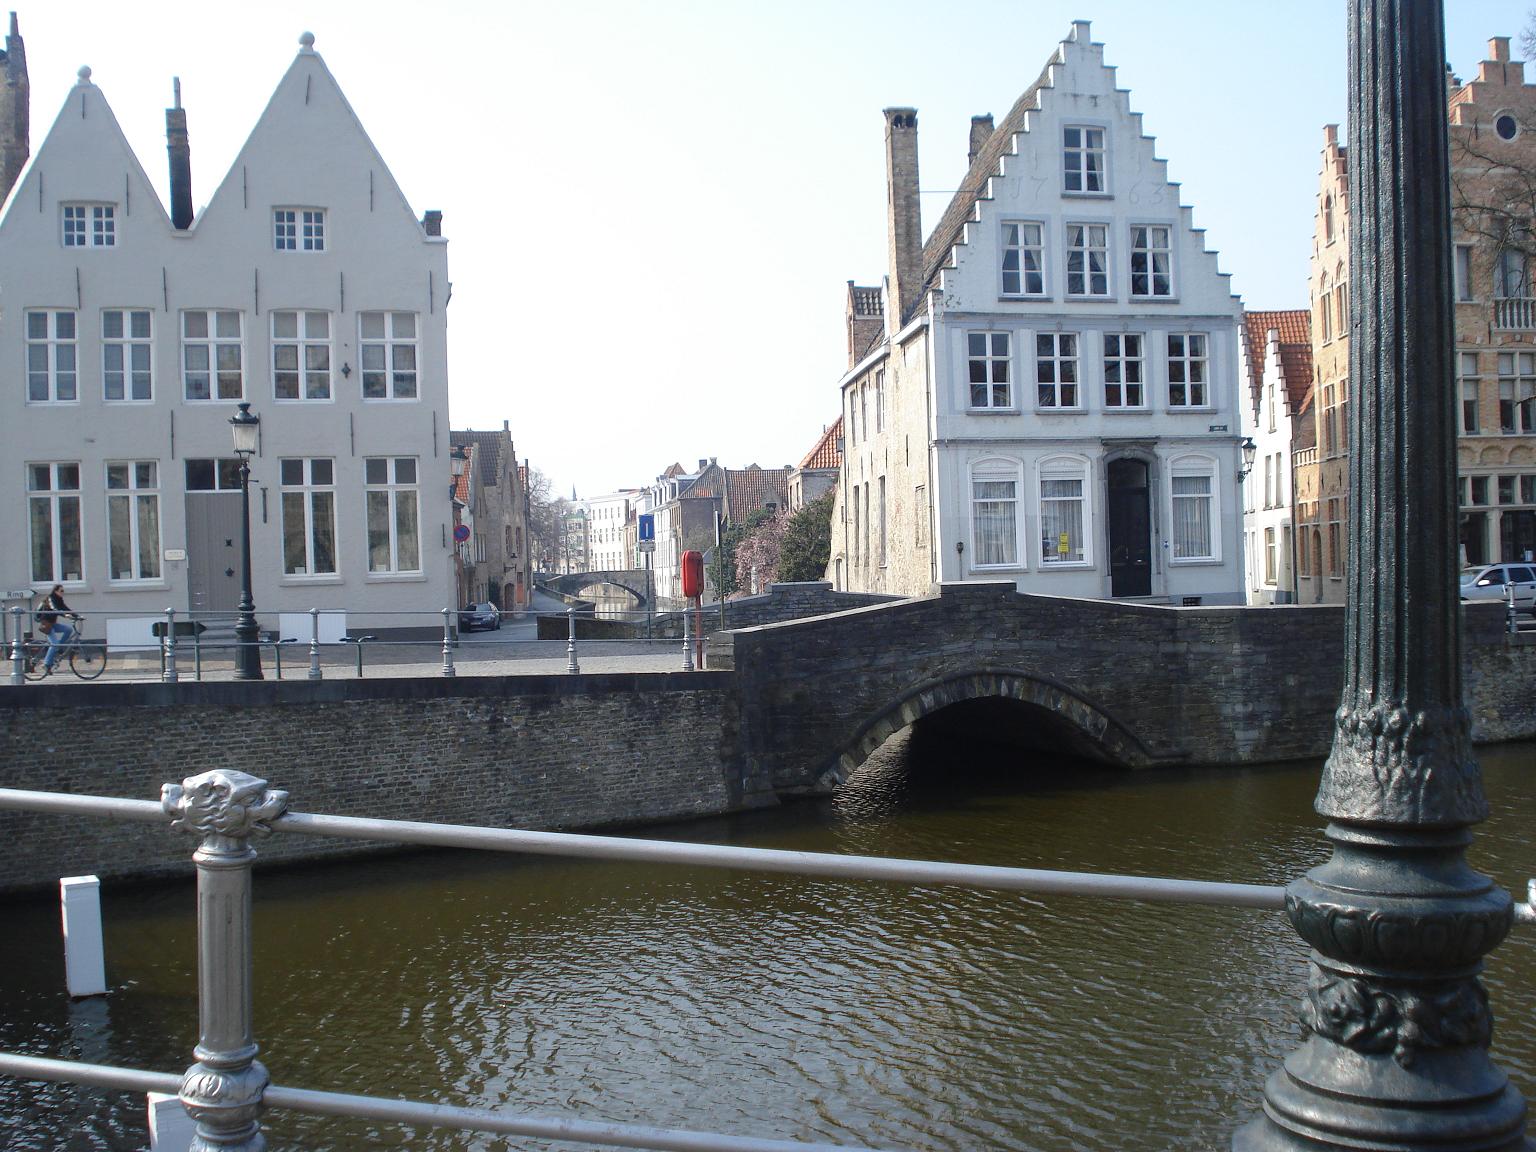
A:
x: 1296, y: 363
x: 826, y: 453
x: 489, y: 445
x: 1294, y: 326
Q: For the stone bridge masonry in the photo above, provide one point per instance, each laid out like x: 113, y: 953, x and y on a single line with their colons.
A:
x: 807, y: 701
x: 572, y: 584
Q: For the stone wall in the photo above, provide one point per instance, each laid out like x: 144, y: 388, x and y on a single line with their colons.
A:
x: 528, y: 752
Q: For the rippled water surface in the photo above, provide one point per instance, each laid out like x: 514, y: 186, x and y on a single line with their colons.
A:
x: 842, y: 1012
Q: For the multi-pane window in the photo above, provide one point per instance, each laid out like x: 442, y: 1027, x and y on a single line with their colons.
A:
x: 881, y: 507
x: 1063, y: 516
x: 1056, y: 369
x: 388, y: 343
x: 1193, y: 490
x: 1123, y: 370
x: 1330, y: 422
x: 864, y: 407
x: 1151, y: 260
x: 298, y: 229
x: 301, y: 355
x: 211, y: 355
x: 1517, y: 392
x: 994, y: 520
x: 1335, y: 551
x: 880, y: 400
x: 988, y: 355
x: 1087, y: 259
x: 1325, y: 311
x: 1469, y: 392
x: 1187, y: 379
x: 309, y: 516
x: 52, y: 374
x: 126, y: 354
x: 1510, y: 275
x: 394, y: 521
x: 1023, y: 259
x: 133, y: 521
x: 221, y: 475
x: 53, y: 518
x: 90, y: 226
x: 1463, y: 269
x: 1341, y: 307
x: 1271, y: 560
x: 1082, y: 156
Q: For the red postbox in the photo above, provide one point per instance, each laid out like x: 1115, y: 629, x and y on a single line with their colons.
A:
x: 693, y: 574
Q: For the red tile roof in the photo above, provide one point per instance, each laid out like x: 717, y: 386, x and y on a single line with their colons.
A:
x: 1294, y: 326
x: 826, y: 453
x: 748, y: 489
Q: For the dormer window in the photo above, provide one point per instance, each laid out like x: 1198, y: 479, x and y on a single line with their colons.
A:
x: 298, y: 229
x: 90, y: 225
x: 1083, y: 159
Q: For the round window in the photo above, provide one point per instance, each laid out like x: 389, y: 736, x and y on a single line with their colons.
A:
x: 1506, y: 126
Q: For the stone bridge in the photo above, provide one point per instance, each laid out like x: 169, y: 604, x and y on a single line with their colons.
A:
x: 632, y: 580
x: 1129, y: 684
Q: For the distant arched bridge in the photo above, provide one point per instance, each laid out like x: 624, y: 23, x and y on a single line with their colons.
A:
x: 632, y: 580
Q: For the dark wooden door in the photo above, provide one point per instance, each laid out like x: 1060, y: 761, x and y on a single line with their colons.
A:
x: 1130, y: 529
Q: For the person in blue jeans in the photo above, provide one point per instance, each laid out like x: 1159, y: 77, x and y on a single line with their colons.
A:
x: 58, y: 631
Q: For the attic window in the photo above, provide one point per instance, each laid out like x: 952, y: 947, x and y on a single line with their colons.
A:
x: 298, y: 229
x: 1506, y: 126
x: 1083, y: 159
x: 90, y: 226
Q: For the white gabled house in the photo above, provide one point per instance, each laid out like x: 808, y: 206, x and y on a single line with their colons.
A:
x: 1053, y: 395
x: 307, y: 288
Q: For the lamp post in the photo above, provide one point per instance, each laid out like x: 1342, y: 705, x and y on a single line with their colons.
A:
x: 1250, y: 449
x: 244, y: 426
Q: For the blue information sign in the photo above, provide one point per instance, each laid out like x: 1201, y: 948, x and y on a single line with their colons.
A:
x: 647, y: 527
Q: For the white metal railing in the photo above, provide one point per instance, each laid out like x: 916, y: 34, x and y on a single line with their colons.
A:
x: 226, y: 1090
x: 1517, y: 313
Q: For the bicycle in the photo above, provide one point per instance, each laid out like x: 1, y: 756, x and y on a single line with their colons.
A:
x: 87, y: 661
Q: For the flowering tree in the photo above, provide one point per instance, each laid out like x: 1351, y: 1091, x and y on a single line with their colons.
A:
x: 757, y: 556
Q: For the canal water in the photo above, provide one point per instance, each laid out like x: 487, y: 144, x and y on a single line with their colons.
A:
x: 769, y: 1006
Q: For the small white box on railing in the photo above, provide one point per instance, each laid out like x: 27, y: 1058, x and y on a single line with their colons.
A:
x: 170, y: 1128
x: 85, y: 970
x: 296, y: 626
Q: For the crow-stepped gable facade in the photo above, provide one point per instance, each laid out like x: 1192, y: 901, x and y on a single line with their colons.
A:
x: 307, y: 288
x: 1047, y: 389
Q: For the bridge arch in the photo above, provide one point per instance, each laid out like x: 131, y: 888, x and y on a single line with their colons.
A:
x: 1096, y: 731
x: 632, y: 581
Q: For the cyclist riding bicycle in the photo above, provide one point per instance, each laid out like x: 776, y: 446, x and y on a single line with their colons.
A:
x: 58, y: 631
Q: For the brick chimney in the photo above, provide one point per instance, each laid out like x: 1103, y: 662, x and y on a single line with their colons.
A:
x: 981, y: 132
x: 179, y: 146
x: 432, y: 222
x: 15, y: 110
x: 903, y: 215
x: 865, y: 316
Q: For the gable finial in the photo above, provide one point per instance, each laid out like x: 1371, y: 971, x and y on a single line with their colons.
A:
x: 307, y: 43
x: 85, y: 75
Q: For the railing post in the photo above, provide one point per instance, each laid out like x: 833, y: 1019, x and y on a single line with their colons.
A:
x: 168, y: 646
x: 687, y: 644
x: 570, y: 647
x: 448, y: 669
x: 314, y: 645
x: 18, y: 654
x: 1511, y: 619
x: 222, y: 1091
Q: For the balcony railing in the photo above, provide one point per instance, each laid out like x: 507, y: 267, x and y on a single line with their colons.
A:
x: 1304, y: 457
x: 1515, y: 314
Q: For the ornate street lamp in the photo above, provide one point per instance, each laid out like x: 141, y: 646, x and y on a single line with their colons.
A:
x: 1395, y: 1054
x: 244, y: 426
x: 1250, y: 449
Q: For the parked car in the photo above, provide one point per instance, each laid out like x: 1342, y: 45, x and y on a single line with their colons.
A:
x: 1486, y: 582
x: 485, y: 616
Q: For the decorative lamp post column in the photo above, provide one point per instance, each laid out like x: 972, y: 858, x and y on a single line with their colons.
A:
x: 247, y: 636
x: 222, y: 1091
x: 1397, y: 1023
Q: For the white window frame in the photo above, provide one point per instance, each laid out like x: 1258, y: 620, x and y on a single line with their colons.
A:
x: 52, y: 358
x: 297, y: 477
x: 55, y: 494
x: 135, y: 355
x: 1024, y: 248
x: 380, y: 353
x: 997, y: 470
x: 880, y: 400
x: 88, y: 225
x: 297, y: 229
x: 1087, y: 239
x: 1057, y: 356
x: 1058, y: 468
x: 1517, y: 388
x: 1146, y: 250
x: 1190, y: 364
x: 990, y: 349
x: 1469, y: 393
x: 212, y: 344
x: 310, y: 367
x: 398, y: 494
x: 1077, y: 153
x: 1120, y: 360
x: 1193, y: 465
x: 133, y: 490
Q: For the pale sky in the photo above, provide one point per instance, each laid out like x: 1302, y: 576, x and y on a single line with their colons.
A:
x: 653, y: 208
